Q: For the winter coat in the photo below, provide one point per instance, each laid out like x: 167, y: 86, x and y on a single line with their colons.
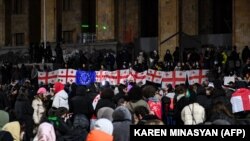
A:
x: 131, y: 105
x: 98, y: 135
x: 121, y: 122
x: 39, y: 110
x: 14, y: 129
x: 193, y: 114
x: 61, y: 100
x: 81, y: 103
x: 45, y: 132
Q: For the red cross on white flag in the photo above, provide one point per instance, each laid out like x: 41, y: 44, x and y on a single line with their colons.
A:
x: 173, y: 77
x: 154, y: 76
x: 66, y: 76
x: 197, y: 76
x: 47, y: 77
x: 118, y: 77
x: 139, y: 77
x: 101, y: 76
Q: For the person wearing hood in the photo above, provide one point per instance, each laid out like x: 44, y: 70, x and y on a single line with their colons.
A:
x: 38, y: 105
x: 81, y: 103
x: 105, y: 112
x: 45, y: 132
x: 102, y: 131
x: 61, y: 96
x: 4, y: 118
x: 14, y: 128
x: 122, y: 119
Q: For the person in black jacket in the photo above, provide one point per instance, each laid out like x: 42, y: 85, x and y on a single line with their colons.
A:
x: 81, y: 103
x: 106, y: 100
x: 24, y: 112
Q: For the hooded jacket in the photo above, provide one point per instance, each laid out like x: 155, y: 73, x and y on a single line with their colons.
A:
x: 122, y: 119
x: 102, y: 131
x: 14, y: 129
x: 45, y: 132
x: 61, y: 96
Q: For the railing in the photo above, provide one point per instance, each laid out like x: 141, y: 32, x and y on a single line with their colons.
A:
x: 86, y: 38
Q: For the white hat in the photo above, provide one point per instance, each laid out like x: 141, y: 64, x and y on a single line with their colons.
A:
x: 104, y: 125
x: 211, y: 84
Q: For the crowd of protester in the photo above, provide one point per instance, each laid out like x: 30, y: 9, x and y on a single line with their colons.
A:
x: 58, y: 112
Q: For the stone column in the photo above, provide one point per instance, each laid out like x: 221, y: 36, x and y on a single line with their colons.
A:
x: 128, y: 20
x: 2, y: 23
x: 168, y: 25
x: 241, y: 23
x: 50, y: 20
x: 105, y: 17
x: 190, y: 17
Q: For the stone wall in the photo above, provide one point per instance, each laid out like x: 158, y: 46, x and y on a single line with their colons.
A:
x: 71, y: 20
x: 128, y: 20
x: 241, y: 23
x: 168, y: 25
x: 20, y: 23
x: 190, y: 17
x: 105, y: 19
x: 2, y: 23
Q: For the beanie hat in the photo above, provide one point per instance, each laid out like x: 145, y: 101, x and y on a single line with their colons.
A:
x: 104, y: 125
x: 58, y: 87
x: 121, y: 113
x: 105, y: 112
x: 42, y: 90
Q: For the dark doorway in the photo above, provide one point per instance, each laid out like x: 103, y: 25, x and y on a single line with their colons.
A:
x: 59, y: 21
x: 88, y: 16
x: 149, y: 18
x: 35, y: 21
x: 215, y: 16
x: 222, y: 16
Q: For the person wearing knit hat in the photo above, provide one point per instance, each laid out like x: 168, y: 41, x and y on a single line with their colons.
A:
x: 38, y: 105
x: 122, y: 119
x: 102, y: 131
x: 61, y: 96
x: 105, y: 112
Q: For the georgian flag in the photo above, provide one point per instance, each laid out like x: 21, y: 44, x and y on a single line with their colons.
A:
x: 240, y: 100
x: 154, y: 76
x: 139, y: 77
x: 173, y: 77
x: 47, y: 77
x: 197, y: 76
x: 66, y: 76
x: 102, y: 76
x: 118, y: 77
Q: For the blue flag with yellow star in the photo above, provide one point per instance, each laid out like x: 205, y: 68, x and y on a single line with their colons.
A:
x: 85, y: 77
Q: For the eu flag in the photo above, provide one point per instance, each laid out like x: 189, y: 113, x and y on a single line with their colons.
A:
x: 85, y: 77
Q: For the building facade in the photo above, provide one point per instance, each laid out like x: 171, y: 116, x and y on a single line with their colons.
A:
x: 124, y: 21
